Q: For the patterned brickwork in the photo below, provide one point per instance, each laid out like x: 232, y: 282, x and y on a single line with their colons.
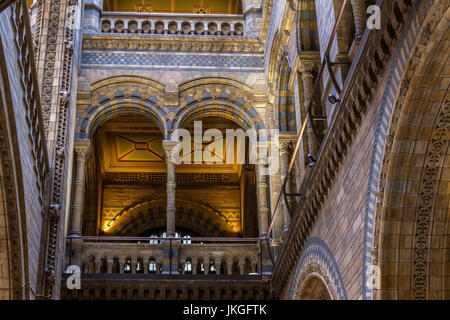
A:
x: 308, y: 39
x: 285, y: 99
x: 172, y: 60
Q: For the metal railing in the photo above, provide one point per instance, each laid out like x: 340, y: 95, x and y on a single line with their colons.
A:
x: 329, y: 65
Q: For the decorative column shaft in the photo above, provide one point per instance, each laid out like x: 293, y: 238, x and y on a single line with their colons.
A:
x: 171, y: 186
x: 263, y: 208
x: 308, y: 86
x: 81, y: 152
x: 284, y: 164
x: 360, y: 16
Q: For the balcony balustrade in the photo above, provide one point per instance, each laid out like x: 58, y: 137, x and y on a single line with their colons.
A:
x: 136, y: 268
x: 167, y: 24
x: 196, y: 256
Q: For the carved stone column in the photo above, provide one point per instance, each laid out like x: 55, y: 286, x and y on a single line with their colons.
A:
x: 230, y: 266
x: 263, y: 208
x: 81, y: 153
x: 284, y: 164
x: 171, y: 186
x: 110, y: 264
x: 306, y: 70
x: 360, y: 16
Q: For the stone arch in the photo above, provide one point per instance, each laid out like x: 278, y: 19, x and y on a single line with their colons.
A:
x: 276, y: 53
x: 314, y: 287
x: 191, y: 215
x: 317, y: 269
x: 404, y: 144
x: 217, y: 97
x: 122, y: 95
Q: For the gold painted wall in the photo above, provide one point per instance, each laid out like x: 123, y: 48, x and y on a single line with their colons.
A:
x: 225, y: 200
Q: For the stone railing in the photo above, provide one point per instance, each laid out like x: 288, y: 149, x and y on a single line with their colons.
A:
x: 147, y: 256
x: 115, y: 268
x: 158, y: 23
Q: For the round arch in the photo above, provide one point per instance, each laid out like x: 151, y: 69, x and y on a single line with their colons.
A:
x: 190, y: 215
x: 316, y: 274
x: 219, y: 97
x: 119, y: 96
x: 315, y: 286
x: 406, y: 201
x: 223, y: 109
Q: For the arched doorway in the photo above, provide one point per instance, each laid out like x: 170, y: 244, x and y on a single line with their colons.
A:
x: 314, y: 288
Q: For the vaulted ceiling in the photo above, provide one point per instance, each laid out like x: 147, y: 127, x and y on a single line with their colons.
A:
x: 175, y: 6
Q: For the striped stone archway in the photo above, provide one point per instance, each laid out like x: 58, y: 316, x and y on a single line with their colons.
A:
x: 411, y: 228
x: 118, y: 96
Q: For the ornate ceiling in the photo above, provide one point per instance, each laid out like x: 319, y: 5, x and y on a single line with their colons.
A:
x: 131, y: 148
x: 175, y: 6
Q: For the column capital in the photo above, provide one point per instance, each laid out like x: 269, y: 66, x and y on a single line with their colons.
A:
x: 287, y: 137
x: 307, y: 61
x: 82, y: 148
x: 306, y: 67
x: 168, y: 146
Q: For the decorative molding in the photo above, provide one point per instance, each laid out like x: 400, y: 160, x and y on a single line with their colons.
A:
x: 175, y: 43
x: 60, y: 106
x: 182, y: 178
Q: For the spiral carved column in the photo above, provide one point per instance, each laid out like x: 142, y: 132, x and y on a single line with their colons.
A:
x: 263, y: 208
x: 360, y: 16
x: 171, y: 186
x: 284, y: 164
x: 306, y: 70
